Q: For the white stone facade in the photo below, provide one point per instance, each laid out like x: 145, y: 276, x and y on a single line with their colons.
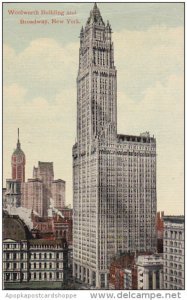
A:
x: 173, y: 252
x: 150, y: 272
x: 114, y: 176
x: 34, y: 260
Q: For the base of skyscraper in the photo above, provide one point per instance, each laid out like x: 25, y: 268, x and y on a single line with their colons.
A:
x: 93, y: 278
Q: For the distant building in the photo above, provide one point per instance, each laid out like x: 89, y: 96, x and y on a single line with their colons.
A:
x: 32, y: 195
x: 67, y: 213
x: 58, y: 193
x: 174, y: 252
x: 12, y: 194
x: 150, y: 272
x: 160, y: 231
x: 45, y: 173
x: 18, y: 163
x: 31, y: 260
x: 55, y: 226
x: 42, y: 191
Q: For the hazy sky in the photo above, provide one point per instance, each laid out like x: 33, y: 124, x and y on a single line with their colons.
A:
x: 40, y: 69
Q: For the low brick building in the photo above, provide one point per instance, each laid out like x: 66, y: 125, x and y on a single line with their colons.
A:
x: 122, y: 273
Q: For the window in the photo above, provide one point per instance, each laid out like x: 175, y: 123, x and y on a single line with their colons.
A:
x: 7, y: 276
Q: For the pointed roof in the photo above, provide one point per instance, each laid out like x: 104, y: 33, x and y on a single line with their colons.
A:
x: 18, y: 149
x: 95, y: 16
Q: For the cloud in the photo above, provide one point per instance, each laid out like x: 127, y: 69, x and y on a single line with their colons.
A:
x: 44, y: 67
x: 145, y: 57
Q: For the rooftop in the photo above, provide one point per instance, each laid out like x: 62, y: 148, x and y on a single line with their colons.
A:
x: 174, y: 219
x: 142, y: 138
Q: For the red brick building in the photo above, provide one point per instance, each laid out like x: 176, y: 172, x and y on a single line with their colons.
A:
x: 18, y: 163
x: 123, y: 273
x: 160, y: 231
x: 53, y: 227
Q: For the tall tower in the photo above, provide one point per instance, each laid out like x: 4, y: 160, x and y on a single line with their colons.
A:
x: 18, y: 163
x: 45, y: 173
x: 114, y: 176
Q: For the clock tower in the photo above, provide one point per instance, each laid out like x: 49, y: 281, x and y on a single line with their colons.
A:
x: 18, y: 163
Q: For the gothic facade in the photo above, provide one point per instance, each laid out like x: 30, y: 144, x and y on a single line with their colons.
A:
x: 114, y: 176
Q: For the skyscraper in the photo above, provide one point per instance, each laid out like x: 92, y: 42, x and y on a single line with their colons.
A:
x: 45, y: 173
x: 18, y: 163
x: 41, y: 191
x: 114, y: 176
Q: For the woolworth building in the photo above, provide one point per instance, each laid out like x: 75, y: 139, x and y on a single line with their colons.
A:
x: 114, y: 175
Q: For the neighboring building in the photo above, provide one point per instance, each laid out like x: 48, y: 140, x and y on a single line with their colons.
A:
x: 18, y: 163
x: 114, y: 176
x: 150, y: 272
x: 174, y: 252
x: 31, y: 260
x: 12, y: 194
x: 42, y: 191
x: 122, y: 273
x: 44, y: 226
x: 32, y: 195
x: 160, y: 231
x: 58, y: 193
x: 52, y: 227
x: 63, y: 226
x: 45, y: 173
x: 67, y: 213
x: 14, y: 228
x: 48, y: 260
x: 4, y: 197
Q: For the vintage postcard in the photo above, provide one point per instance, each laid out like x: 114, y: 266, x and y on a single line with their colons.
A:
x: 93, y: 148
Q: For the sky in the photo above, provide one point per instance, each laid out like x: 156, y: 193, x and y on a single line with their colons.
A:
x: 40, y: 64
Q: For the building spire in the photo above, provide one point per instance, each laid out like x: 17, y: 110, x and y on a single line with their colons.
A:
x: 95, y: 5
x: 18, y: 142
x: 95, y: 16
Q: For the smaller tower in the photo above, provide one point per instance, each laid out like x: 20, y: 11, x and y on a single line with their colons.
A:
x: 18, y: 163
